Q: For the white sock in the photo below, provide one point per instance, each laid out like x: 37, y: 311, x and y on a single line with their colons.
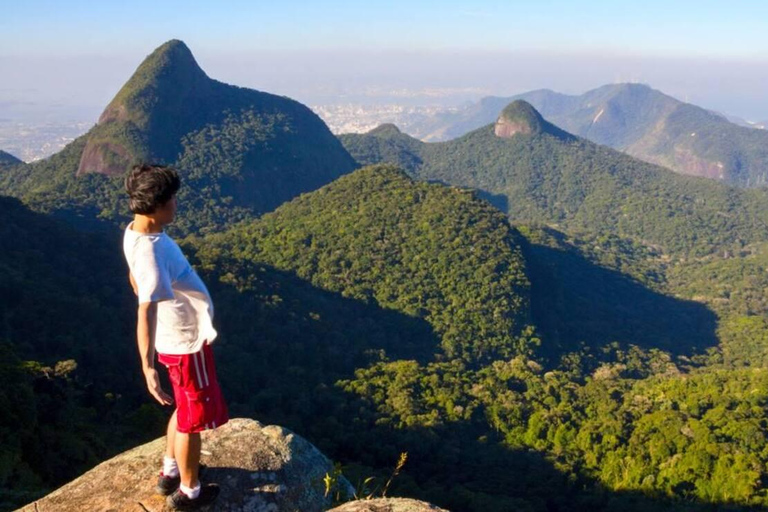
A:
x: 191, y: 492
x: 170, y: 468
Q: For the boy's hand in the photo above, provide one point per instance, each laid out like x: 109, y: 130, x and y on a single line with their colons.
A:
x: 153, y: 385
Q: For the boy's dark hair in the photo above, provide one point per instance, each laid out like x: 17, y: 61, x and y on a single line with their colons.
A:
x: 150, y: 186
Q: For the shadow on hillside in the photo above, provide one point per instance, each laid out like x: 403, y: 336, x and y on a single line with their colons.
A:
x: 86, y: 219
x: 467, y: 474
x: 285, y: 344
x: 500, y: 201
x: 575, y: 301
x: 314, y: 336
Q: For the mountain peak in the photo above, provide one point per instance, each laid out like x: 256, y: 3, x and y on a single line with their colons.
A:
x: 169, y: 70
x: 170, y: 55
x: 173, y: 45
x: 166, y: 89
x: 385, y: 130
x: 637, y: 86
x: 519, y: 117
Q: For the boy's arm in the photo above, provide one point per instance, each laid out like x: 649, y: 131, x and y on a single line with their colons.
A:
x: 145, y: 337
x: 133, y: 283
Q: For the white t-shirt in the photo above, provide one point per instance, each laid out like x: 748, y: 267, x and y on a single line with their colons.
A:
x: 163, y: 275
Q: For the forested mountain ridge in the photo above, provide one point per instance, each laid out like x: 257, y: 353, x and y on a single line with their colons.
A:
x: 618, y: 415
x: 380, y: 314
x: 427, y: 250
x: 385, y: 144
x: 241, y: 152
x: 7, y: 159
x: 578, y: 185
x: 640, y: 121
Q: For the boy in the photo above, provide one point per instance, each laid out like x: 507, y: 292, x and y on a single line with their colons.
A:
x: 175, y: 319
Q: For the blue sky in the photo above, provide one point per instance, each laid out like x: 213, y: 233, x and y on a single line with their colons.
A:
x: 733, y: 29
x: 713, y: 52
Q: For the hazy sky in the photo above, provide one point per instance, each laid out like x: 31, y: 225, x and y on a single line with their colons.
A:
x: 69, y: 58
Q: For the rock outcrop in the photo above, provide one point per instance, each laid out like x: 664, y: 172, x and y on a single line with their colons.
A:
x: 386, y: 130
x: 388, y: 505
x: 259, y: 468
x: 519, y: 117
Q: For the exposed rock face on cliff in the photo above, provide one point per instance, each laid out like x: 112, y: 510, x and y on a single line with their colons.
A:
x: 259, y: 468
x: 518, y: 117
x: 388, y: 505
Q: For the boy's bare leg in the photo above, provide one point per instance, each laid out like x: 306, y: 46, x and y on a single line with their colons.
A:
x: 170, y: 437
x: 187, y: 448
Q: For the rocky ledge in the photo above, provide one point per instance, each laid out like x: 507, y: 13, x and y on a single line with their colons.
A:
x: 388, y: 505
x: 259, y: 468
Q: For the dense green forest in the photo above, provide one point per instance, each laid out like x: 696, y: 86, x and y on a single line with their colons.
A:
x: 609, y: 398
x: 426, y: 250
x: 616, y: 407
x: 580, y: 186
x: 679, y: 295
x: 380, y: 314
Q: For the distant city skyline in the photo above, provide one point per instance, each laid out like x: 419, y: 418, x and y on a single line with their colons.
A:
x: 67, y: 60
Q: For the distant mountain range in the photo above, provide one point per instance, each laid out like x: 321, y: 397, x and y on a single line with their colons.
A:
x: 537, y: 172
x: 638, y: 120
x: 242, y: 152
x: 760, y: 125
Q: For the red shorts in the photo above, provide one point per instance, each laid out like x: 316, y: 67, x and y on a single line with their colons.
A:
x: 199, y: 404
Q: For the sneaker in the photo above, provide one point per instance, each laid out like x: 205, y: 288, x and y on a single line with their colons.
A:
x: 180, y: 501
x: 167, y: 484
